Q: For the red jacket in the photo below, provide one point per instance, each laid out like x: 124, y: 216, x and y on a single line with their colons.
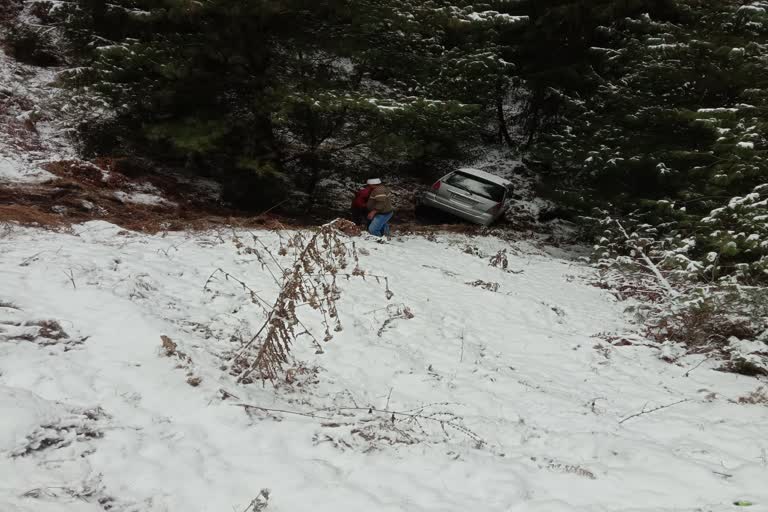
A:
x: 361, y: 198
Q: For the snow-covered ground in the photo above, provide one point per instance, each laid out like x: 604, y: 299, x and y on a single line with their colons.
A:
x: 31, y: 134
x: 95, y: 416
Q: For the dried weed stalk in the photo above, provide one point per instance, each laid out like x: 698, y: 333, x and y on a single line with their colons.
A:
x: 46, y: 333
x: 395, y: 312
x: 627, y: 284
x: 756, y: 397
x: 319, y: 261
x: 77, y: 426
x: 500, y: 260
x: 375, y: 429
x: 184, y: 362
x: 570, y: 468
x: 259, y: 503
x: 491, y: 287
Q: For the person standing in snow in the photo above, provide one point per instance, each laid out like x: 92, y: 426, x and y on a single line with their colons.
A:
x: 380, y: 209
x: 360, y: 206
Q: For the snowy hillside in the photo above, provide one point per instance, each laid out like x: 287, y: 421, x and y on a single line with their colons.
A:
x: 30, y: 134
x: 472, y: 388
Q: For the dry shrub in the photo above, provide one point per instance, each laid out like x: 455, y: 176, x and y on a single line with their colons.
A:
x: 371, y: 429
x: 711, y: 323
x: 395, y: 312
x: 91, y: 490
x: 194, y: 381
x: 756, y: 397
x: 260, y: 502
x: 701, y: 319
x: 170, y: 349
x: 311, y: 280
x: 744, y: 366
x: 84, y: 172
x: 500, y: 260
x: 78, y: 425
x: 300, y: 376
x: 379, y: 431
x: 699, y: 327
x: 184, y: 362
x: 46, y: 333
x: 626, y: 284
x: 473, y: 251
x: 570, y: 468
x: 491, y: 287
x: 50, y: 329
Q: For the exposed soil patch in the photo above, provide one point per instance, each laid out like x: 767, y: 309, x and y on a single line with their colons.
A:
x: 86, y: 191
x: 124, y: 192
x: 108, y: 189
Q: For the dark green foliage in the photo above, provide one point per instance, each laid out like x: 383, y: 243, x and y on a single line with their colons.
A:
x: 648, y: 129
x: 296, y: 87
x: 651, y: 109
x: 667, y: 128
x: 32, y: 45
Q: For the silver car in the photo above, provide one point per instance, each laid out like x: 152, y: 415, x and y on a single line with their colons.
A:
x: 471, y: 194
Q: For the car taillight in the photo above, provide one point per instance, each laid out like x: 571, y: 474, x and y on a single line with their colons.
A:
x: 436, y: 186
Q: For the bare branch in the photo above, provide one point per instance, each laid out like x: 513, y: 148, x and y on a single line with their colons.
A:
x: 651, y: 266
x: 649, y: 411
x: 71, y: 277
x: 707, y: 358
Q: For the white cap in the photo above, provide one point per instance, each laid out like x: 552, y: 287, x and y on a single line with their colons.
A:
x: 374, y: 181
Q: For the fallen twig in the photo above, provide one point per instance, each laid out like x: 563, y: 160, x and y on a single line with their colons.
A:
x: 388, y: 397
x: 686, y: 374
x: 71, y: 277
x: 310, y: 414
x: 442, y: 418
x: 649, y: 411
x: 255, y: 298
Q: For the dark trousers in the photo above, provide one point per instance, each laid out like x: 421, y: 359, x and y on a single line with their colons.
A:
x: 360, y: 217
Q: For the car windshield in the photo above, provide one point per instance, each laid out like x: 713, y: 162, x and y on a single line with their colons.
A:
x: 477, y: 185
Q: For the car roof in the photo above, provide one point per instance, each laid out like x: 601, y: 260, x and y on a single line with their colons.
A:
x: 486, y: 175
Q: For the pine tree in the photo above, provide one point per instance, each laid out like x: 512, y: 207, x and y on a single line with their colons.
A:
x: 675, y: 133
x: 262, y: 88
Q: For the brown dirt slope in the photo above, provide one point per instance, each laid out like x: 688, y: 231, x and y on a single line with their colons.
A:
x: 84, y: 191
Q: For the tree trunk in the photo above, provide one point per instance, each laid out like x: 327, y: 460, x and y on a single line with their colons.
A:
x: 503, y: 128
x: 315, y: 173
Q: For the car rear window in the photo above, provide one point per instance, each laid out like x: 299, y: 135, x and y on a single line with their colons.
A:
x: 477, y: 185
